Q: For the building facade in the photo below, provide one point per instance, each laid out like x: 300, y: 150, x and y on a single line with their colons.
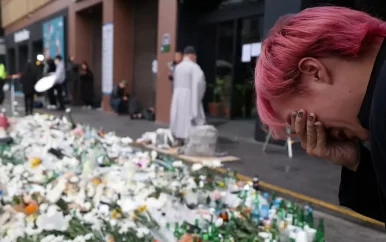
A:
x: 127, y: 39
x: 117, y: 38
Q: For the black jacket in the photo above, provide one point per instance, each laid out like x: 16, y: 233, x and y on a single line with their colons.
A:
x: 364, y: 190
x: 28, y: 78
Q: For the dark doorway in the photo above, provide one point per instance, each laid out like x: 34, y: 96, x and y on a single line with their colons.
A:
x: 145, y: 51
x: 91, y: 20
x: 37, y: 49
x: 11, y: 61
x: 23, y: 57
x: 96, y: 65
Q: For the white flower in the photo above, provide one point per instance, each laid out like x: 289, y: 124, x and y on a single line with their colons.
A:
x: 212, y: 163
x: 54, y: 195
x: 197, y: 166
x: 153, y: 154
x: 178, y: 163
x: 219, y: 222
x: 52, y: 220
x: 43, y: 207
x: 141, y: 232
x: 126, y: 140
x: 104, y: 209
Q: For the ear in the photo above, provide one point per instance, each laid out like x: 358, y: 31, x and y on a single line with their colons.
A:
x: 313, y: 68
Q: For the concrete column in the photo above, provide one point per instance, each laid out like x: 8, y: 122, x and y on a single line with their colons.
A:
x: 167, y: 23
x: 71, y: 27
x: 120, y: 13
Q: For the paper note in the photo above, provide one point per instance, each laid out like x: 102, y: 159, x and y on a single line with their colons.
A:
x: 256, y: 49
x: 246, y: 53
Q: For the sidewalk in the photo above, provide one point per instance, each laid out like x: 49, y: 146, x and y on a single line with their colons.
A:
x: 306, y: 175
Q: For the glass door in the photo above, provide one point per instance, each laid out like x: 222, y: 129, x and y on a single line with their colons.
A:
x: 221, y: 87
x: 243, y: 98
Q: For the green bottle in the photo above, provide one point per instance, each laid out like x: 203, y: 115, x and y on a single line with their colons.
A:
x: 226, y: 177
x: 290, y: 210
x: 177, y: 233
x: 235, y: 176
x: 295, y: 216
x: 310, y: 218
x: 320, y: 232
x: 274, y: 230
x: 205, y: 238
x: 184, y: 227
x: 273, y: 198
x: 300, y: 218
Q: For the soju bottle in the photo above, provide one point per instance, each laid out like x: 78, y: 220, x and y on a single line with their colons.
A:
x: 177, y: 232
x: 320, y: 232
x: 273, y: 198
x: 205, y: 238
x: 255, y: 183
x: 231, y: 183
x: 300, y: 218
x: 310, y: 218
x: 226, y: 177
x: 295, y: 216
x: 255, y: 210
x: 235, y: 176
x: 274, y: 230
x: 184, y: 227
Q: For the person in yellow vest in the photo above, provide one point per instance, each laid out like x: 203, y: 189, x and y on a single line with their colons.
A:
x: 3, y: 76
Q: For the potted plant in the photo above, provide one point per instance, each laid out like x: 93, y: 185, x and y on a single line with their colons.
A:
x: 217, y: 91
x: 240, y: 99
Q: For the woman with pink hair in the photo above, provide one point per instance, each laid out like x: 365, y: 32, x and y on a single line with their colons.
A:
x: 322, y: 72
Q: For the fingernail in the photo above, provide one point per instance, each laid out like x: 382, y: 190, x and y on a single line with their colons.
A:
x: 293, y: 115
x: 310, y: 117
x: 300, y: 114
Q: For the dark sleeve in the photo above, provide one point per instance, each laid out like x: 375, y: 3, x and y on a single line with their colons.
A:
x: 359, y: 190
x: 114, y: 93
x: 378, y: 135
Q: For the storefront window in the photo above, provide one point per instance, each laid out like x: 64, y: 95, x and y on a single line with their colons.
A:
x: 243, y: 87
x: 222, y: 85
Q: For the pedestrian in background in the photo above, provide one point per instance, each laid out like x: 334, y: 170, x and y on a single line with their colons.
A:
x: 172, y: 65
x: 72, y: 78
x: 86, y: 85
x: 189, y: 89
x: 60, y: 74
x: 28, y: 78
x: 3, y: 77
x: 50, y: 68
x: 119, y: 99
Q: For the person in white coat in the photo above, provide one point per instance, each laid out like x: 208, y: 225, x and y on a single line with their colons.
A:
x: 189, y: 89
x: 60, y: 74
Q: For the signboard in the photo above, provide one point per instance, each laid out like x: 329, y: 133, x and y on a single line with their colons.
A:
x: 165, y: 43
x: 21, y: 36
x: 107, y: 58
x: 53, y: 37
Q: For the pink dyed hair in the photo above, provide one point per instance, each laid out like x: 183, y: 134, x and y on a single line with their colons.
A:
x: 314, y: 32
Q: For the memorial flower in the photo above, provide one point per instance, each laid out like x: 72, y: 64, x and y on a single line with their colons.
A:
x: 82, y: 185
